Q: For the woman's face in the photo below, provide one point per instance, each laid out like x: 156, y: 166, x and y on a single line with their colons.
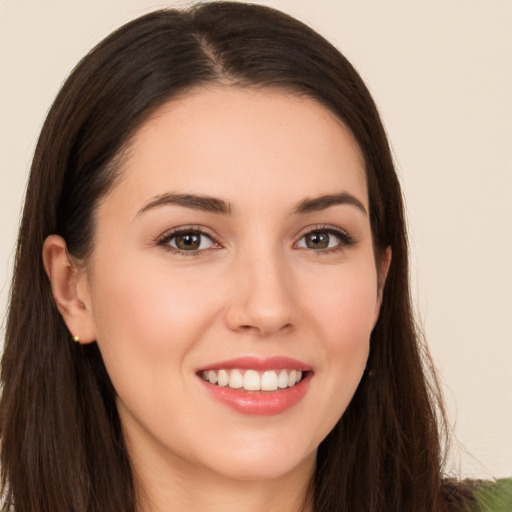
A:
x: 235, y: 248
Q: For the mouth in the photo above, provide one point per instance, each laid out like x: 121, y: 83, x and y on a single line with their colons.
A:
x: 256, y: 386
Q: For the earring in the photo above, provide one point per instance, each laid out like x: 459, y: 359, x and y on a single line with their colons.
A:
x: 75, y: 339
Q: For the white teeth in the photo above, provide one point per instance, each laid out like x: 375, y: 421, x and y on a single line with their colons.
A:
x: 292, y: 378
x: 269, y: 381
x: 236, y: 379
x: 252, y: 380
x: 282, y: 380
x: 223, y: 378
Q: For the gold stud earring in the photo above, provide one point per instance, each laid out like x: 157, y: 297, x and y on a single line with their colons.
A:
x: 75, y: 339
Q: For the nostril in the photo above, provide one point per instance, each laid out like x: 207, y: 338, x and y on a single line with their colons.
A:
x: 264, y: 330
x: 259, y: 317
x: 248, y: 328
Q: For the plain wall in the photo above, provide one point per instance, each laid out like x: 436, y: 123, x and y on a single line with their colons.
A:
x: 441, y: 74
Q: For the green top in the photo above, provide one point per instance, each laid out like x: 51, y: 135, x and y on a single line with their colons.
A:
x: 495, y: 496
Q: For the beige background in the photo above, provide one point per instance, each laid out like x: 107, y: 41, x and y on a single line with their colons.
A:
x: 441, y: 73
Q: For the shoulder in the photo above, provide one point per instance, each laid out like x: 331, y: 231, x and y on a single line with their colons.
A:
x: 494, y: 496
x: 478, y: 495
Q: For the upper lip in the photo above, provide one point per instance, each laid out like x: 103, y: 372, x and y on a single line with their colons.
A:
x: 261, y: 364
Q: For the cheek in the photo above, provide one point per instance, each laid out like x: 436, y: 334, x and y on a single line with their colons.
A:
x: 340, y: 320
x: 147, y: 319
x: 342, y: 314
x: 343, y: 306
x: 148, y: 322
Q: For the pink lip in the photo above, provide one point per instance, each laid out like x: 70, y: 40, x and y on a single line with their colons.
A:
x: 259, y: 403
x: 255, y: 363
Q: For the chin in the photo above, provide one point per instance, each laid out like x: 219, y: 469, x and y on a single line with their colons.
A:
x: 261, y: 464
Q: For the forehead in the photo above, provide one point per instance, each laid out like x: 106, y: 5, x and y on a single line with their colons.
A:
x: 243, y: 142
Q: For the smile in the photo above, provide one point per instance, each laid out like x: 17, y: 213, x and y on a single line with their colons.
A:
x: 253, y: 380
x: 255, y: 386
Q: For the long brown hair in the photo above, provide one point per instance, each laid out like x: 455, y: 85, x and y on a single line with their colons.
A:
x: 62, y: 446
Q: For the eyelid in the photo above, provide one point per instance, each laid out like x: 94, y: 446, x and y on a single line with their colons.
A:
x: 322, y: 227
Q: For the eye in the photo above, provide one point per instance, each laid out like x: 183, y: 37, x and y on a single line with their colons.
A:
x: 325, y: 239
x: 187, y: 241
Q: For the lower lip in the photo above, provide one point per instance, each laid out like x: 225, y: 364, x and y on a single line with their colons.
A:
x: 259, y: 403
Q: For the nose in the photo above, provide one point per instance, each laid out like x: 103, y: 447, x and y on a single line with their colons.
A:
x: 262, y: 300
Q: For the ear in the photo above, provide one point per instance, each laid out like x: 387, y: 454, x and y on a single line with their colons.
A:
x: 70, y: 289
x: 383, y: 264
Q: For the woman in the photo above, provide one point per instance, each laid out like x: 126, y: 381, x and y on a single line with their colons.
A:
x: 221, y: 316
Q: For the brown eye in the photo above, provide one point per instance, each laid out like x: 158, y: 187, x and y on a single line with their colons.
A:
x: 190, y: 241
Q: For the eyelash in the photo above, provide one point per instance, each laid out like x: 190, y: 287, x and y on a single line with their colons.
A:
x: 346, y: 240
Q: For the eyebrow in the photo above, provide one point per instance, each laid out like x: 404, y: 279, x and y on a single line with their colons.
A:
x: 192, y: 201
x: 325, y: 201
x: 222, y: 207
